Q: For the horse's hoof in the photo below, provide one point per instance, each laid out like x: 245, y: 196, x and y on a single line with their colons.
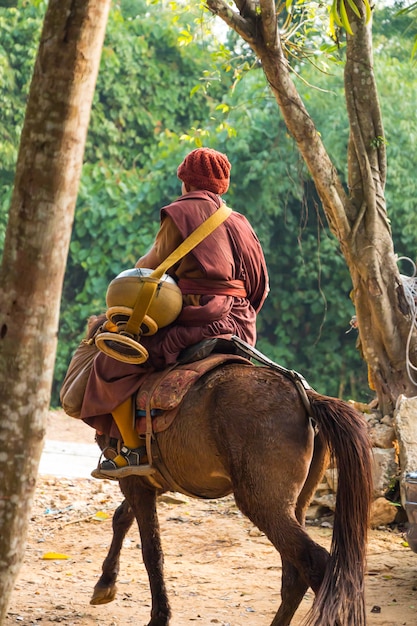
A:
x: 103, y: 595
x: 161, y: 618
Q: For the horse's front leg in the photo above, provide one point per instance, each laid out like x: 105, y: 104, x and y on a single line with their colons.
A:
x: 105, y: 589
x: 143, y: 503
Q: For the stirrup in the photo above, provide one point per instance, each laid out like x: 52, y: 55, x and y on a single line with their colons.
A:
x: 133, y: 456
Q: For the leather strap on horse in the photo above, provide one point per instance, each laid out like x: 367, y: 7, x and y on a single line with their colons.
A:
x: 148, y: 291
x: 149, y: 428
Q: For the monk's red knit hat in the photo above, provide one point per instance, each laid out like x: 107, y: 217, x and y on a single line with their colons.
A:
x: 206, y: 168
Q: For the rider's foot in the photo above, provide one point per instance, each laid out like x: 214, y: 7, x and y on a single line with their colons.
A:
x: 129, y: 462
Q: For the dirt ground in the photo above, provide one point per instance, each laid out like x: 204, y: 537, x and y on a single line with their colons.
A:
x: 219, y: 568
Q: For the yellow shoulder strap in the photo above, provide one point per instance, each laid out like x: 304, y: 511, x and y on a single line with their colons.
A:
x: 196, y: 237
x: 148, y: 290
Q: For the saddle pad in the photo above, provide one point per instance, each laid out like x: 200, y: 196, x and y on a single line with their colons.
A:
x: 165, y: 390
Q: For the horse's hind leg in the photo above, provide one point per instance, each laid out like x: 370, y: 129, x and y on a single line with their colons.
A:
x: 105, y: 589
x: 143, y: 502
x: 303, y: 564
x: 294, y: 586
x: 303, y: 561
x: 304, y: 570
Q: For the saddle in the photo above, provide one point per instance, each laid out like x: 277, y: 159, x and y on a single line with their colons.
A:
x: 160, y: 395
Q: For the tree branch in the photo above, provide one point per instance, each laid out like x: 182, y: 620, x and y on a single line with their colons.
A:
x: 247, y: 8
x: 269, y: 23
x: 241, y: 25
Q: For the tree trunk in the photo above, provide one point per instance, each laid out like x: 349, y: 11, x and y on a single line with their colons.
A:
x: 35, y: 253
x: 383, y: 314
x: 358, y: 219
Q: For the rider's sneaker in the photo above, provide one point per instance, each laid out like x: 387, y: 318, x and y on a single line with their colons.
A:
x: 126, y: 463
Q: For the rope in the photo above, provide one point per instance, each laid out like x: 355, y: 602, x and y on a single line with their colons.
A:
x: 410, y: 291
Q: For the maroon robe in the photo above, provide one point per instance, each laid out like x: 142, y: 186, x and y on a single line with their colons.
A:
x: 224, y: 282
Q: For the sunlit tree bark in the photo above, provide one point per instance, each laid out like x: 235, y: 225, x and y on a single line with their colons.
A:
x: 35, y: 253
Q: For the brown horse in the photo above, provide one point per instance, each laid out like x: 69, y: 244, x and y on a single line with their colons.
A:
x: 244, y: 429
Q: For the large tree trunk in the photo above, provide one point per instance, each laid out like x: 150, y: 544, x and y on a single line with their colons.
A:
x: 357, y: 218
x: 35, y: 253
x: 382, y: 311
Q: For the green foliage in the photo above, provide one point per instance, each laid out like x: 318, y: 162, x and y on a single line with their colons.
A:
x: 17, y: 28
x: 405, y: 12
x: 340, y: 19
x: 143, y: 88
x: 163, y: 89
x: 20, y: 27
x: 311, y: 304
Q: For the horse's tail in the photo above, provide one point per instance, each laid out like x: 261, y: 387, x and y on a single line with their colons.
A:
x: 340, y: 599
